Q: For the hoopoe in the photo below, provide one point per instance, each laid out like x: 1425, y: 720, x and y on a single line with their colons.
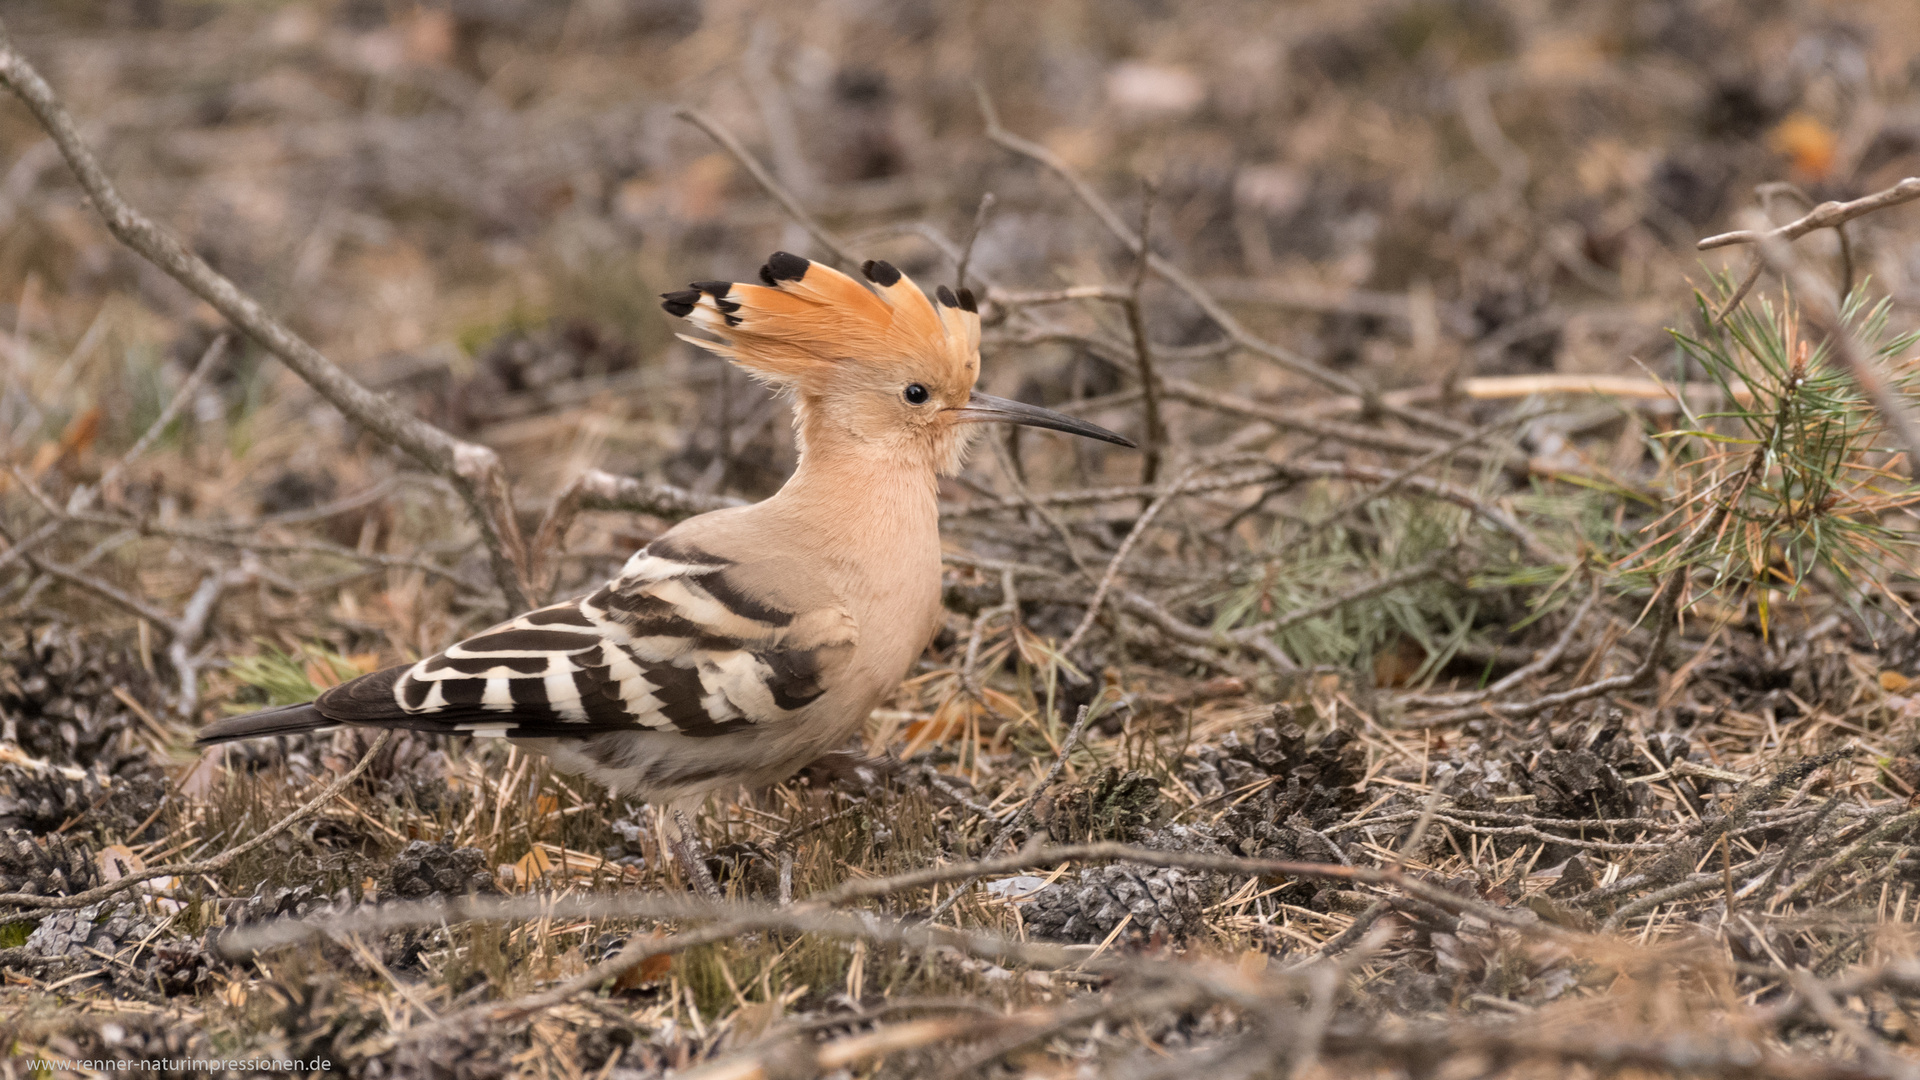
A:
x: 744, y: 643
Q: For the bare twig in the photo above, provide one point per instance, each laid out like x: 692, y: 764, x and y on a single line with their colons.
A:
x: 190, y: 628
x: 814, y: 914
x: 1824, y: 216
x: 1009, y: 606
x: 1111, y: 219
x: 780, y: 1057
x: 1847, y: 855
x: 209, y: 360
x: 965, y: 261
x: 1310, y: 423
x: 1475, y: 101
x: 1602, y: 1053
x: 1120, y: 556
x: 1153, y: 441
x: 597, y: 489
x: 1828, y: 215
x: 1544, y: 662
x: 1661, y: 612
x: 1795, y: 841
x: 834, y: 246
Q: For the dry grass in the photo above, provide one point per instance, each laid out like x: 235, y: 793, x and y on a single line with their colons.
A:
x: 1420, y: 772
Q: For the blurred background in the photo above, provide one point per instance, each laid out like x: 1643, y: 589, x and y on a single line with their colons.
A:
x: 473, y: 203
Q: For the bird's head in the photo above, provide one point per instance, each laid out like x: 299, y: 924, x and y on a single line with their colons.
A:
x: 880, y: 371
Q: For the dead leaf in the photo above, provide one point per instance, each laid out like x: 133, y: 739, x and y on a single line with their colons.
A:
x: 1893, y: 682
x: 652, y: 969
x: 80, y: 433
x: 534, y: 864
x: 117, y: 861
x: 1807, y: 143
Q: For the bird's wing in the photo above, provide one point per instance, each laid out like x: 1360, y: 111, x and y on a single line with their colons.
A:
x: 681, y: 641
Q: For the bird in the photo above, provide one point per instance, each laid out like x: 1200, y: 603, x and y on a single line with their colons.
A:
x: 744, y: 643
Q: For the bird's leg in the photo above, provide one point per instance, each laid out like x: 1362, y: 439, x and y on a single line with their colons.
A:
x: 690, y: 860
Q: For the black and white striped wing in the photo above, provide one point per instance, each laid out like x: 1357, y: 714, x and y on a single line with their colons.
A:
x: 681, y: 641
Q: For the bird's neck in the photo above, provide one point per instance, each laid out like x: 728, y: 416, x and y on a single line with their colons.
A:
x: 870, y: 523
x: 860, y: 506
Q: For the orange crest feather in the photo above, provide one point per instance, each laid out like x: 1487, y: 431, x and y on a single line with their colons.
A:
x: 808, y: 321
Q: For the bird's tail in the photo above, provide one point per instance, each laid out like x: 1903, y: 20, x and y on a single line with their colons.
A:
x: 284, y: 720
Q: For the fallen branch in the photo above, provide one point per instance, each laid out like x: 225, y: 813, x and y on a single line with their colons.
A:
x: 1827, y: 215
x: 783, y: 1058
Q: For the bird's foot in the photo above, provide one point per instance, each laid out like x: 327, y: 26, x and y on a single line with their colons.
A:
x: 684, y: 845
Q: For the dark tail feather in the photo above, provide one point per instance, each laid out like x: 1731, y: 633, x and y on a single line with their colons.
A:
x: 285, y: 720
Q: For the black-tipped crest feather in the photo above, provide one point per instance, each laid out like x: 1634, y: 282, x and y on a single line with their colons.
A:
x: 783, y: 266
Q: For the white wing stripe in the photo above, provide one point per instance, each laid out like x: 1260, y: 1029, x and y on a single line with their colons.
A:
x: 499, y: 695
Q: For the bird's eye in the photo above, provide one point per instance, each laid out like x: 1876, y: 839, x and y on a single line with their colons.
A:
x: 916, y: 394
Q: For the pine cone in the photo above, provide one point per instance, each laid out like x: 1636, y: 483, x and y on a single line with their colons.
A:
x: 1316, y: 781
x: 70, y: 933
x: 754, y: 869
x: 56, y: 689
x: 1306, y: 788
x: 271, y: 903
x: 42, y: 801
x: 1162, y: 901
x: 422, y: 870
x: 1114, y: 806
x: 180, y: 968
x: 1581, y: 783
x: 57, y: 866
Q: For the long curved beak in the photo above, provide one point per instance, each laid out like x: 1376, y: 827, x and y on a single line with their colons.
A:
x: 985, y: 409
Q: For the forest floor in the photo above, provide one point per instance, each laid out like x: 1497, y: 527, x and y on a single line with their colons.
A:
x: 1500, y: 662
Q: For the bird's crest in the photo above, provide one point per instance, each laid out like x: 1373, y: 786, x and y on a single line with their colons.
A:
x: 808, y: 321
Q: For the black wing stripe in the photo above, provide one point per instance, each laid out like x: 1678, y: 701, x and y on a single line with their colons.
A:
x: 463, y: 692
x: 567, y: 614
x: 529, y: 641
x: 681, y: 552
x: 680, y: 693
x: 415, y: 691
x: 738, y: 601
x: 600, y: 698
x: 529, y: 695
